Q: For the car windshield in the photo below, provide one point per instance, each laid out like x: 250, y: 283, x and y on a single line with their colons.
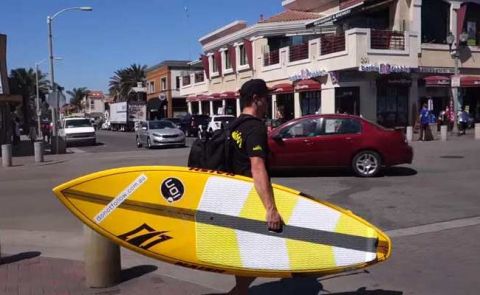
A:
x: 78, y: 123
x: 223, y: 119
x: 160, y: 124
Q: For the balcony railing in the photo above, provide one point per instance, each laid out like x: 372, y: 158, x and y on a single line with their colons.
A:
x: 298, y: 52
x: 387, y: 40
x: 271, y: 58
x: 199, y: 77
x: 332, y: 43
x: 186, y: 80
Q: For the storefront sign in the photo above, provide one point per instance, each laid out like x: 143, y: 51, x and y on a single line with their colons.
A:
x: 307, y: 74
x: 334, y: 77
x: 384, y: 69
x: 433, y: 70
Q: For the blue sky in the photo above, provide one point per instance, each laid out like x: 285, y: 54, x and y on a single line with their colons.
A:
x: 116, y: 33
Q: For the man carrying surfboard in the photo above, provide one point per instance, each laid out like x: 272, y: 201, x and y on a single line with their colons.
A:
x: 250, y: 156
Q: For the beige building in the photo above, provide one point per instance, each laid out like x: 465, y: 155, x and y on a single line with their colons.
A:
x: 94, y: 103
x: 378, y: 59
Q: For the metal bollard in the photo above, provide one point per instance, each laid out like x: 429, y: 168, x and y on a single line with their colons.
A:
x: 6, y: 155
x: 409, y: 133
x: 38, y: 150
x: 443, y: 132
x: 102, y: 260
x: 477, y: 130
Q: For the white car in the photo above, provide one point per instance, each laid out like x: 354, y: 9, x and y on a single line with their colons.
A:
x: 217, y: 122
x: 78, y: 130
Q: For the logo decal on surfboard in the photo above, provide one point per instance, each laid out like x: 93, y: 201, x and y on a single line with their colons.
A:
x: 145, y: 237
x: 172, y: 189
x: 120, y: 198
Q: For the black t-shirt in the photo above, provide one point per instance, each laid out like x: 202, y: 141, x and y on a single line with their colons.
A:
x: 250, y: 140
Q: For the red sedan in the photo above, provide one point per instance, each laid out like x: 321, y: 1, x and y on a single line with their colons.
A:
x: 337, y: 141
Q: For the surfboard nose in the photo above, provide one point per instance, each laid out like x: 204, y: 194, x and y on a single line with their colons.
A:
x: 384, y: 247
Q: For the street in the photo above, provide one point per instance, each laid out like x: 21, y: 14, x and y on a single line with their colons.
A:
x: 429, y: 208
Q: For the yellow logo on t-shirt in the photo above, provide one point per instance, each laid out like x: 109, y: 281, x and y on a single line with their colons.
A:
x: 237, y: 137
x: 257, y: 148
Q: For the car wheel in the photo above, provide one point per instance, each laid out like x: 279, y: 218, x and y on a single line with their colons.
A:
x: 139, y: 144
x: 367, y: 164
x: 149, y: 144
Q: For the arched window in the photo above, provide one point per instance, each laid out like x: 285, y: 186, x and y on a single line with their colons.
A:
x: 435, y: 21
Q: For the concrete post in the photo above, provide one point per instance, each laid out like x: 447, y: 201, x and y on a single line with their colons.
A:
x: 6, y: 155
x: 38, y: 151
x: 477, y: 130
x: 102, y: 260
x: 409, y: 133
x: 443, y: 132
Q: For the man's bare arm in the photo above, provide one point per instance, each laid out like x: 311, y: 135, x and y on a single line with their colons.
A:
x: 265, y: 191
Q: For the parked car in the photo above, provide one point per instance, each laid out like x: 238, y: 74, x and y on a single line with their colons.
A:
x: 217, y: 122
x: 190, y: 124
x: 337, y: 141
x: 77, y: 130
x: 159, y: 133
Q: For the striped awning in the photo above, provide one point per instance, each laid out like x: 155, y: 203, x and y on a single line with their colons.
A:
x: 282, y: 88
x: 437, y: 81
x: 308, y: 85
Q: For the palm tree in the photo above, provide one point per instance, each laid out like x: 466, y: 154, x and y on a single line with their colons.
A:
x: 124, y: 80
x: 23, y: 82
x: 77, y: 95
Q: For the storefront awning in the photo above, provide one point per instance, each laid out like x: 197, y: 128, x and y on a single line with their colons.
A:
x: 282, y: 88
x: 229, y: 95
x: 192, y: 98
x: 470, y: 81
x: 308, y: 85
x: 437, y: 81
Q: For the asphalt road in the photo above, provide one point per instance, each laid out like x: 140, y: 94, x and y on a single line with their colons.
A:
x: 430, y: 209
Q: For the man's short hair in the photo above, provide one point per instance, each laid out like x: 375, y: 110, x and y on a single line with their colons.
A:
x: 250, y: 88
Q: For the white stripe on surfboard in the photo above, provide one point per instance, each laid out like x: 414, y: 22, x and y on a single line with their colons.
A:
x: 224, y: 196
x: 259, y: 251
x: 127, y: 192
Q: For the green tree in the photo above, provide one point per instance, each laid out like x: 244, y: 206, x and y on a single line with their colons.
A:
x: 121, y: 84
x: 23, y: 82
x: 77, y: 95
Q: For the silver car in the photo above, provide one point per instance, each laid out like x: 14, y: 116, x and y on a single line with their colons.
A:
x: 159, y: 133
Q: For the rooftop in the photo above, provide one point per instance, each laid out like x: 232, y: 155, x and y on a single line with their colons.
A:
x: 174, y: 64
x: 291, y: 15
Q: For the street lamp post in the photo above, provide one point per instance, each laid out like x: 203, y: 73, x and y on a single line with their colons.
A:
x: 456, y: 72
x: 52, y: 75
x: 37, y: 98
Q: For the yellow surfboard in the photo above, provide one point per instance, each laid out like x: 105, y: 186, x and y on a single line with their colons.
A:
x: 214, y: 221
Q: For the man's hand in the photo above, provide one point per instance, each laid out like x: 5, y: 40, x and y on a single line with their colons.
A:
x: 274, y: 220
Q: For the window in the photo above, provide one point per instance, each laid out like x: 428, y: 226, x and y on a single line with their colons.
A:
x: 164, y: 83
x: 92, y: 104
x: 199, y: 77
x: 310, y: 102
x: 151, y: 87
x: 243, y: 55
x: 214, y: 65
x: 228, y: 63
x: 177, y: 82
x: 186, y: 80
x: 435, y: 21
x: 304, y: 128
x: 341, y: 126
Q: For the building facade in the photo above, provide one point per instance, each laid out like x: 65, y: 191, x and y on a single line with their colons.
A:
x: 378, y: 59
x: 94, y: 103
x: 7, y: 101
x: 163, y: 89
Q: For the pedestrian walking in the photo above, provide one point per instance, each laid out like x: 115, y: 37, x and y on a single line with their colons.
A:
x: 463, y: 119
x: 249, y: 157
x: 424, y: 122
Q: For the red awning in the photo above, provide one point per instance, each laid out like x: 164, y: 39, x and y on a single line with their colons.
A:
x: 201, y: 97
x: 192, y: 98
x: 282, y: 88
x: 214, y: 96
x: 437, y: 81
x: 308, y: 85
x: 229, y: 95
x: 470, y: 81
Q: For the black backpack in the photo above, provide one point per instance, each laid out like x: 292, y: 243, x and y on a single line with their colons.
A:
x: 214, y: 152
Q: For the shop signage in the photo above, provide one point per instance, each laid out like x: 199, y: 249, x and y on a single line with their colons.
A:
x: 306, y: 74
x: 384, y: 69
x: 433, y: 70
x: 455, y: 81
x: 334, y: 77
